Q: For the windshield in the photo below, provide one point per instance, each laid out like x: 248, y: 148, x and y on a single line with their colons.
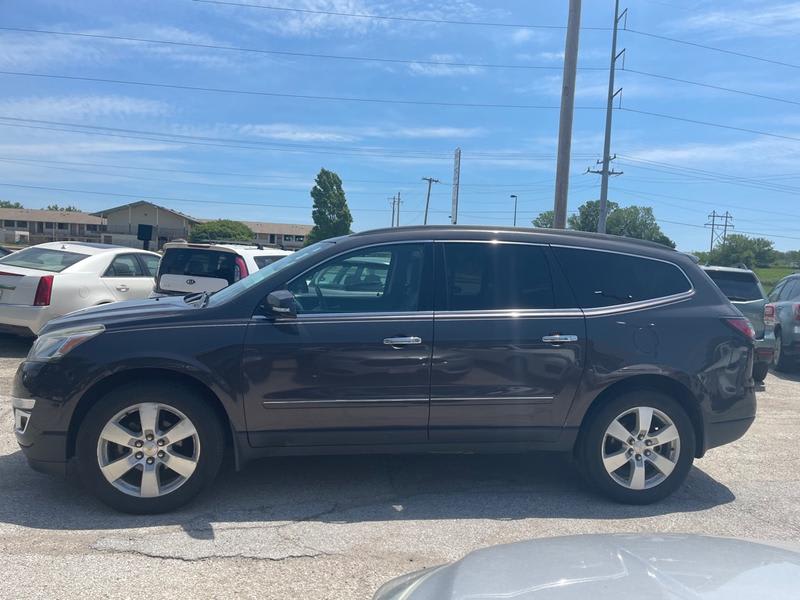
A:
x: 737, y: 286
x: 241, y: 286
x: 43, y: 259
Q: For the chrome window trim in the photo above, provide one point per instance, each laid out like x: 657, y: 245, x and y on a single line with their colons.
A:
x: 312, y: 318
x: 509, y: 313
x: 495, y: 399
x: 348, y: 401
x: 635, y: 306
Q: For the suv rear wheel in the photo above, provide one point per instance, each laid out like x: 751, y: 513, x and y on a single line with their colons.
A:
x: 779, y: 359
x: 149, y: 448
x: 638, y: 447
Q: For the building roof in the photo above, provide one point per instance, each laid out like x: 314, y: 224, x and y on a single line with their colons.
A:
x: 279, y: 228
x: 49, y: 216
x: 105, y: 212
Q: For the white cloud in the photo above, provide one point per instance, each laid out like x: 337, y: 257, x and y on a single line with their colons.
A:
x: 764, y: 154
x: 311, y: 133
x: 761, y: 20
x: 297, y: 133
x: 520, y: 36
x: 435, y: 132
x: 81, y: 107
x: 443, y: 70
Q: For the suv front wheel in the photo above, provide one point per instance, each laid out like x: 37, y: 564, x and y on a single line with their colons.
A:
x: 638, y: 448
x: 149, y: 448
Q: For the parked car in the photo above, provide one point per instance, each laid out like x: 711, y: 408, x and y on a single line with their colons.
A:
x: 782, y: 320
x: 608, y: 567
x: 743, y: 288
x: 189, y: 268
x: 46, y: 281
x: 622, y: 352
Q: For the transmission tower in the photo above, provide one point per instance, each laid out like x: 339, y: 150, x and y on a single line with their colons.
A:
x: 719, y: 225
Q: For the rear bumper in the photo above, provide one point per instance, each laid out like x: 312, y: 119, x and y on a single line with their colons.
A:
x: 19, y: 318
x: 765, y: 348
x: 725, y: 432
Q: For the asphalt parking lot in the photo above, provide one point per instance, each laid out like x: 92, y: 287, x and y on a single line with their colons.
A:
x: 337, y: 527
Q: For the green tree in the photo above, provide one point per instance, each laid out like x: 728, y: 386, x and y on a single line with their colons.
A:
x: 545, y: 219
x: 9, y: 204
x: 742, y: 250
x: 69, y: 208
x: 631, y: 221
x: 221, y: 230
x: 331, y: 215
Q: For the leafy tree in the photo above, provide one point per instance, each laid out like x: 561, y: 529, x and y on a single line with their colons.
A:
x: 9, y: 204
x: 631, y: 221
x: 741, y: 250
x: 222, y: 229
x: 69, y: 208
x: 331, y: 215
x: 545, y: 219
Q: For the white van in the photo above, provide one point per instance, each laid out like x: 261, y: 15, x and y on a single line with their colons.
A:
x: 188, y: 268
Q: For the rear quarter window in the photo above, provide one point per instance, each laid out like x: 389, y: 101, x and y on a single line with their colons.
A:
x: 600, y: 278
x: 263, y: 261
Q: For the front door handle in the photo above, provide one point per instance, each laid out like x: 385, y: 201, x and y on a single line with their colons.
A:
x: 402, y: 341
x: 123, y: 288
x: 559, y: 339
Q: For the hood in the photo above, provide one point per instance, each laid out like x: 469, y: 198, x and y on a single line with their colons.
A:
x: 606, y: 567
x: 124, y: 313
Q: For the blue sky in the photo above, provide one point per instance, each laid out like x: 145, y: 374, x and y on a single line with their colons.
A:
x: 380, y: 149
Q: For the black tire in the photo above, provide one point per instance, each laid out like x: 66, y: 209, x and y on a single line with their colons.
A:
x: 780, y: 361
x: 760, y: 371
x: 199, y: 412
x: 592, y: 440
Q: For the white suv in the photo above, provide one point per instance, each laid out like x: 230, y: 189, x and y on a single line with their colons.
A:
x: 188, y: 268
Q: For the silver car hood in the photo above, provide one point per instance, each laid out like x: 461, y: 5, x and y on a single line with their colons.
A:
x: 606, y: 567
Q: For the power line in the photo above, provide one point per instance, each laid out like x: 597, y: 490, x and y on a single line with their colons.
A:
x: 216, y: 90
x: 390, y: 17
x: 293, y: 54
x: 711, y: 86
x: 713, y: 48
x: 710, y: 124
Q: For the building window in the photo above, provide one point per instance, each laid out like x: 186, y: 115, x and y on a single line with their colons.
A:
x: 91, y: 228
x: 48, y: 225
x: 299, y: 238
x: 271, y: 238
x: 63, y: 226
x: 22, y: 223
x: 8, y: 223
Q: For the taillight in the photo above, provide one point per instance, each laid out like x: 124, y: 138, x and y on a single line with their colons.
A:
x: 241, y: 269
x: 43, y: 291
x: 743, y: 326
x: 769, y: 314
x: 796, y: 312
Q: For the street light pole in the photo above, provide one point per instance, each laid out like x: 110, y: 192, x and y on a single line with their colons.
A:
x: 514, y: 196
x: 430, y: 181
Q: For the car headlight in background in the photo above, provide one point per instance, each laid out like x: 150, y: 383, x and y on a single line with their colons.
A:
x: 58, y: 343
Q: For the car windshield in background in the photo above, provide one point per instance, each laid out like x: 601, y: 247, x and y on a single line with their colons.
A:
x: 43, y: 259
x: 263, y: 261
x: 245, y: 284
x: 199, y: 263
x: 737, y: 286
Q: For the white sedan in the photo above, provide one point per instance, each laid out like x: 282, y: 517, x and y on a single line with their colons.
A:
x: 49, y: 280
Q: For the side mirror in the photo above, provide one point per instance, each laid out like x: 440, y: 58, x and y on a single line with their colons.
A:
x: 282, y: 303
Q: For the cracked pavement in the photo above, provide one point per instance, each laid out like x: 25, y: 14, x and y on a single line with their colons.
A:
x: 338, y: 527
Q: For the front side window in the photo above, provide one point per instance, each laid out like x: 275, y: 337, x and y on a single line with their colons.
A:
x: 602, y: 278
x: 776, y: 291
x: 384, y: 279
x: 124, y: 265
x: 486, y: 276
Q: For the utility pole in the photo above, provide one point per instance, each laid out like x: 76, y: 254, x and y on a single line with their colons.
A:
x: 456, y: 183
x: 713, y: 218
x: 399, y: 202
x: 430, y: 181
x: 567, y: 110
x: 606, y: 172
x: 393, y: 200
x: 514, y: 196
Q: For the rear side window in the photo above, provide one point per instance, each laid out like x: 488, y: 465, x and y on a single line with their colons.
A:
x: 790, y: 291
x: 43, y: 259
x: 739, y: 287
x: 150, y: 264
x: 483, y: 276
x: 124, y: 265
x: 199, y: 262
x: 606, y: 278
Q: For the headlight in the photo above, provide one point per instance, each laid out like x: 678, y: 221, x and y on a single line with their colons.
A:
x: 54, y: 345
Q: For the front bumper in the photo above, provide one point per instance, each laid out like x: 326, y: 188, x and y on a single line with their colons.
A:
x: 22, y: 319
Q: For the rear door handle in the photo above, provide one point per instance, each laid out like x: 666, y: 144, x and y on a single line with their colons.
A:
x: 123, y: 288
x: 559, y: 339
x: 402, y: 341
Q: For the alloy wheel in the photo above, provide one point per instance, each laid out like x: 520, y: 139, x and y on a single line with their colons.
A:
x: 148, y: 450
x: 640, y: 448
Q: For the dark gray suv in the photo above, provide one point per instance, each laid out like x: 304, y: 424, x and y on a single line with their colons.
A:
x: 423, y: 339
